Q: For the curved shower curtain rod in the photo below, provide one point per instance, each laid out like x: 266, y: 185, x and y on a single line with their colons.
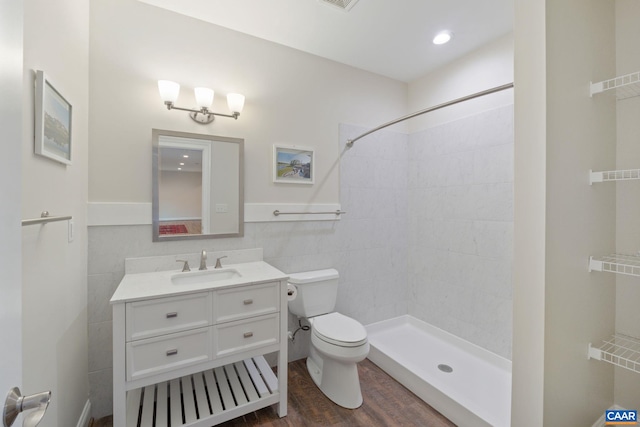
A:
x: 430, y: 109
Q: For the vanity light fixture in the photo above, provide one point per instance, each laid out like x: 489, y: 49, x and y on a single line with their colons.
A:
x: 169, y: 92
x: 442, y: 37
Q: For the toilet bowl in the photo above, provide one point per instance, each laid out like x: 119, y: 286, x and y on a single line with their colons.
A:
x: 332, y: 361
x: 338, y: 342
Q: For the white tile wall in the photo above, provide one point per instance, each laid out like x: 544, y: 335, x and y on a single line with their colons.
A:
x: 461, y: 227
x: 428, y: 231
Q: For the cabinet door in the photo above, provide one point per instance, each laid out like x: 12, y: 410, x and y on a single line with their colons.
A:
x: 246, y: 301
x: 161, y: 316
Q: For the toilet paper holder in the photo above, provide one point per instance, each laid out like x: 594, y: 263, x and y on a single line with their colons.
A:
x: 15, y: 404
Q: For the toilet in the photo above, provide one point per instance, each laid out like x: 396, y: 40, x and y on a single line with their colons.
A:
x: 338, y: 342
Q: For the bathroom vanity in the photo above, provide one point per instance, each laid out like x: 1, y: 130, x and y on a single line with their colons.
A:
x: 189, y: 347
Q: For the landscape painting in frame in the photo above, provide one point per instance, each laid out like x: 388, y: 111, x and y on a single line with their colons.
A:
x: 53, y: 122
x: 293, y: 164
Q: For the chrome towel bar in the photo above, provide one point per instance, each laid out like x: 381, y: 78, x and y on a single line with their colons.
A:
x: 45, y: 218
x: 338, y: 213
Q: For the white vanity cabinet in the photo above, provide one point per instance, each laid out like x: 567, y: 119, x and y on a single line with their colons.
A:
x: 195, y: 356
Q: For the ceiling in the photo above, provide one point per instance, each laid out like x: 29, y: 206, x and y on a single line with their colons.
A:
x: 387, y: 37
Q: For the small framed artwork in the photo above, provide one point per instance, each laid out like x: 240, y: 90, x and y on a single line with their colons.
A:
x: 293, y: 164
x: 53, y: 121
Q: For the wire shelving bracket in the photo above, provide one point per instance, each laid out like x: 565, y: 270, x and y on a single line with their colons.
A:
x: 619, y: 350
x: 628, y: 265
x: 626, y: 86
x: 616, y: 175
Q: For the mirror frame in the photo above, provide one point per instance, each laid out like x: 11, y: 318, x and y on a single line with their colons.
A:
x: 155, y: 135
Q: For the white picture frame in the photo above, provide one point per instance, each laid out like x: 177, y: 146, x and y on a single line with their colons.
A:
x: 53, y: 117
x: 293, y: 164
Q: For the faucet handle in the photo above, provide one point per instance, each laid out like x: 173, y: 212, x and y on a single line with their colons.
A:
x: 218, y: 263
x: 185, y: 267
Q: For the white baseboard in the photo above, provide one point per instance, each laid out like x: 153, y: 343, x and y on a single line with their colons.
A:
x: 85, y: 417
x: 600, y: 422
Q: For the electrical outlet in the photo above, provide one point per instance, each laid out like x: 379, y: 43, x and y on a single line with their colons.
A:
x: 222, y: 208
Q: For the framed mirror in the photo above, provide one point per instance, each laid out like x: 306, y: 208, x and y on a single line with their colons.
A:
x: 198, y: 186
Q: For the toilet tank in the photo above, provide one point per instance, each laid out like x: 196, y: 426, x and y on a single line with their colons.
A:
x: 316, y: 292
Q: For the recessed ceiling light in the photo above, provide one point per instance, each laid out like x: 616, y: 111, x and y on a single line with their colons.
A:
x: 186, y: 156
x: 181, y: 164
x: 442, y: 37
x: 179, y: 169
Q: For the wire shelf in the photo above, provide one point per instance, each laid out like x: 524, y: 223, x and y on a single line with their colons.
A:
x: 628, y: 265
x: 619, y: 350
x: 624, y: 87
x: 617, y: 175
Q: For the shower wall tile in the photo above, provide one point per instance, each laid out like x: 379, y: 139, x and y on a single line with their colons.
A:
x: 101, y: 289
x: 460, y: 219
x: 101, y: 392
x: 100, y: 333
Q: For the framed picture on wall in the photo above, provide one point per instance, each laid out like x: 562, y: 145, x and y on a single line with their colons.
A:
x: 293, y: 164
x: 53, y: 121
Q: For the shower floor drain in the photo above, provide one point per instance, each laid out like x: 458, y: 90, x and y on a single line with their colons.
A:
x: 445, y: 368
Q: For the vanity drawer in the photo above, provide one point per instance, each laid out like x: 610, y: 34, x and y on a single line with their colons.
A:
x: 161, y: 354
x: 246, y: 334
x: 162, y: 316
x: 246, y: 301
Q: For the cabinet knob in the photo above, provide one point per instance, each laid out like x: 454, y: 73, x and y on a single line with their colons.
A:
x: 248, y: 301
x: 172, y: 352
x: 171, y: 315
x: 248, y: 334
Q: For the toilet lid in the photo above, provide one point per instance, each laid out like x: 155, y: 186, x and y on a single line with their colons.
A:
x: 339, y: 329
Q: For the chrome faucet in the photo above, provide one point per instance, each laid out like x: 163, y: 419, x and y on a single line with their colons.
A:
x: 203, y: 260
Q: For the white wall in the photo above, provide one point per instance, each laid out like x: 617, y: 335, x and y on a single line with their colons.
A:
x: 627, y: 386
x: 291, y: 98
x: 225, y: 180
x: 580, y: 219
x: 11, y: 48
x: 489, y: 66
x: 56, y: 40
x: 180, y: 195
x: 527, y: 390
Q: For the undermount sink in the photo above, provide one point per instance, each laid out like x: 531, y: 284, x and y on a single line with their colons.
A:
x: 205, y: 276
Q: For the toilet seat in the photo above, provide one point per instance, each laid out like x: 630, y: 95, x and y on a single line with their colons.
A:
x: 339, y: 330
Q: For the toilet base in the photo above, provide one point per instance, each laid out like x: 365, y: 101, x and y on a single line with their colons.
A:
x: 339, y: 381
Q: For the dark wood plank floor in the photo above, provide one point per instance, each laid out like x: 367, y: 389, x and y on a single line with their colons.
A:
x: 386, y: 403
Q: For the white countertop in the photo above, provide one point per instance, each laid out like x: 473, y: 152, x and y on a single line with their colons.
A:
x: 140, y: 286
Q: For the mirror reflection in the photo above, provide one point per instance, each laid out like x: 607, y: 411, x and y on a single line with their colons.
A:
x: 197, y: 186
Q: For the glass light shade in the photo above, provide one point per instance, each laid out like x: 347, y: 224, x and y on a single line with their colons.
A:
x: 235, y: 102
x: 204, y: 97
x: 169, y: 90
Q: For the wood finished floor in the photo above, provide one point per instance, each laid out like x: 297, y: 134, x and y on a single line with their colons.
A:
x: 386, y: 403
